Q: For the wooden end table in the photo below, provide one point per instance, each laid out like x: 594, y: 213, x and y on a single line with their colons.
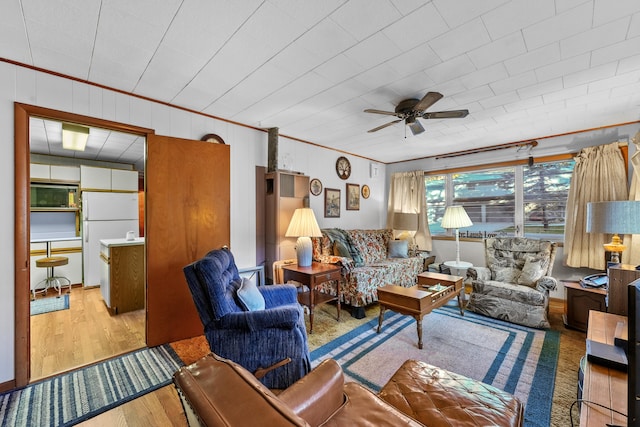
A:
x: 311, y: 276
x: 417, y: 301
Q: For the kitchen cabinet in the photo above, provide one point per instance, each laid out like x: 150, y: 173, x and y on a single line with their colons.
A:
x: 96, y: 178
x: 40, y: 171
x: 57, y: 173
x: 124, y: 180
x: 619, y: 277
x: 285, y: 192
x: 65, y: 173
x: 122, y: 277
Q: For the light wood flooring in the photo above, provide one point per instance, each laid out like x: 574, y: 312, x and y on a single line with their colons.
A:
x: 85, y: 333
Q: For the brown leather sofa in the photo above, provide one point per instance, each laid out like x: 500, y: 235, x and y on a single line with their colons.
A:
x: 219, y: 392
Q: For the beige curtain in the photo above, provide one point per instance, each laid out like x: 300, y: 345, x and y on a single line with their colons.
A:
x: 599, y: 176
x: 632, y: 254
x: 407, y: 194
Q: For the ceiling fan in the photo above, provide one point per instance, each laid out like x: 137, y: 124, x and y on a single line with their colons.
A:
x: 411, y: 109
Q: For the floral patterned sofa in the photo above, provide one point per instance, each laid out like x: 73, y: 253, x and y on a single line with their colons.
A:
x: 366, y: 264
x: 515, y: 284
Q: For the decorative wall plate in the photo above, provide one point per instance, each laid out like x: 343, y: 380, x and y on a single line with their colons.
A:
x: 315, y: 187
x: 365, y: 192
x: 343, y: 167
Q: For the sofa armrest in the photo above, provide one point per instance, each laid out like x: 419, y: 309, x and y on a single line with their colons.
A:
x: 479, y: 273
x: 347, y: 264
x: 547, y: 283
x: 283, y: 317
x: 318, y: 395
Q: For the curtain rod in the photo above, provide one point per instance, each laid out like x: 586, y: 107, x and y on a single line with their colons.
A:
x: 531, y: 144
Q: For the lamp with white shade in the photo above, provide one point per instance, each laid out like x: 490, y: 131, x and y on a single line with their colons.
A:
x: 303, y: 225
x: 620, y: 217
x: 456, y: 217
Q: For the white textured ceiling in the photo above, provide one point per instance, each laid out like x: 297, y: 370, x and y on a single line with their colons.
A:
x: 524, y: 69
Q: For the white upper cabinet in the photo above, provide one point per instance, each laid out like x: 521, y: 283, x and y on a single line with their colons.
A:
x: 122, y: 180
x: 93, y: 178
x: 65, y: 173
x: 40, y: 171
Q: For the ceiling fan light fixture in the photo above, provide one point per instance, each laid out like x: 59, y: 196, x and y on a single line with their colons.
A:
x: 74, y: 137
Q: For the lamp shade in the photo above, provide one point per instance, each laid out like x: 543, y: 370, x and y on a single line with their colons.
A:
x: 456, y: 217
x: 405, y: 221
x: 303, y: 224
x: 621, y: 217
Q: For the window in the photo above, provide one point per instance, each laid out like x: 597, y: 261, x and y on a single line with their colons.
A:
x: 510, y: 201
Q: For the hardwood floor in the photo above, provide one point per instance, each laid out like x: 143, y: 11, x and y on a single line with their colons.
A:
x: 83, y: 334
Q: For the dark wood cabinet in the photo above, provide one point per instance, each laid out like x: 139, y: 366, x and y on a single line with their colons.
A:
x: 619, y: 278
x: 578, y: 302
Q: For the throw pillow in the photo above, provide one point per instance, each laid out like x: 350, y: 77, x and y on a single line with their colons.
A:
x: 250, y: 296
x: 398, y: 249
x: 532, y: 271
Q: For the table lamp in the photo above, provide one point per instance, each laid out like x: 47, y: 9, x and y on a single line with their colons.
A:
x: 303, y: 225
x: 405, y: 222
x: 456, y: 217
x: 621, y: 217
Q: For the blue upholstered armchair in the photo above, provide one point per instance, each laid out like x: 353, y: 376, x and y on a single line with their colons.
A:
x: 261, y: 341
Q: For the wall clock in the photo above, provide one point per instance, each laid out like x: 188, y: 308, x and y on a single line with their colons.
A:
x: 212, y: 137
x: 343, y: 167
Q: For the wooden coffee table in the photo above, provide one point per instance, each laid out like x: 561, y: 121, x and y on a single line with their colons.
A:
x: 417, y: 301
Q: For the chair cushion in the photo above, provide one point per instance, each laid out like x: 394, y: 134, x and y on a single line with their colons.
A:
x: 250, y: 297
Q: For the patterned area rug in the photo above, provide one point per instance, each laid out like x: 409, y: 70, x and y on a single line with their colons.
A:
x: 68, y: 399
x: 46, y: 305
x: 513, y: 358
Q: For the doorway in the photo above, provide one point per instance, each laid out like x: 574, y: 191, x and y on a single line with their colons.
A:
x: 23, y: 114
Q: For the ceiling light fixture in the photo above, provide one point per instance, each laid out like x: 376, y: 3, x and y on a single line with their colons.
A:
x: 74, y: 137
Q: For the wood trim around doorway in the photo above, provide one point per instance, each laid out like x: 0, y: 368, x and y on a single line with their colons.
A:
x: 22, y: 158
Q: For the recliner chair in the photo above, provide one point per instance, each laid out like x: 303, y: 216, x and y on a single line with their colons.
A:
x: 515, y: 284
x: 271, y: 343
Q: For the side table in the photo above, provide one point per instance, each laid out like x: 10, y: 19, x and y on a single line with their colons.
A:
x: 311, y: 276
x: 578, y: 301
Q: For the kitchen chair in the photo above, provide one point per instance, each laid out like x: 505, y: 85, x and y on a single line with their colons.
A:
x: 52, y: 279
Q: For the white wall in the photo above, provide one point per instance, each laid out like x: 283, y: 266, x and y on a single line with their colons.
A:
x: 248, y: 149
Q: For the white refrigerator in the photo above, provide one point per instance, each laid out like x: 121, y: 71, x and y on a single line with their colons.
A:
x: 104, y: 216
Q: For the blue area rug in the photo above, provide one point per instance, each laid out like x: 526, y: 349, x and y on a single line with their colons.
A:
x: 517, y: 359
x: 46, y: 305
x: 71, y: 398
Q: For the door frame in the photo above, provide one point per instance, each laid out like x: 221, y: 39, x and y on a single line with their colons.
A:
x: 22, y: 160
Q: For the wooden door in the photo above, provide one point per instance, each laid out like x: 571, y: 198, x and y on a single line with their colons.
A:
x: 187, y: 214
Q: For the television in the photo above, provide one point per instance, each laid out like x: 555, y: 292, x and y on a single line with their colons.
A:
x: 633, y: 355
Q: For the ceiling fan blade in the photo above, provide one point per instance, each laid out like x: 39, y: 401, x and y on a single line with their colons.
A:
x: 416, y: 127
x: 453, y: 114
x: 384, y: 126
x: 388, y: 113
x: 427, y: 101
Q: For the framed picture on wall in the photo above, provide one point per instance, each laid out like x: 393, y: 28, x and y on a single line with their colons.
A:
x: 353, y: 197
x: 331, y: 203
